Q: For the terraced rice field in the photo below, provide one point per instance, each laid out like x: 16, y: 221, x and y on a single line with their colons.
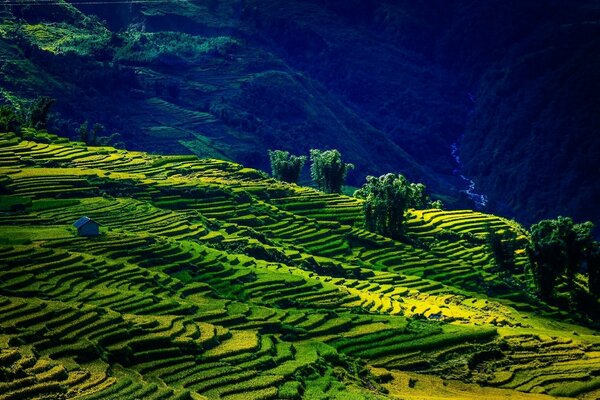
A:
x: 210, y: 280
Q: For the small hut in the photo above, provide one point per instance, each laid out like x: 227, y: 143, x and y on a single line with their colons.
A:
x: 87, y: 227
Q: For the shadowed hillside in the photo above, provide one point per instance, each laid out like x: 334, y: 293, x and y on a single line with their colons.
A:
x: 210, y: 87
x: 392, y: 84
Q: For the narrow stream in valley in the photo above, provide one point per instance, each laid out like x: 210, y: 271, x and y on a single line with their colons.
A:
x: 479, y: 199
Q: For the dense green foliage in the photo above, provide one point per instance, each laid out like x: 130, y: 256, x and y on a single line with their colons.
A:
x: 170, y: 48
x: 10, y: 121
x: 502, y: 245
x: 328, y: 171
x: 593, y: 268
x: 285, y: 166
x: 34, y: 115
x: 559, y: 248
x: 396, y: 84
x: 386, y: 200
x: 439, y: 204
x: 37, y: 117
x: 92, y: 137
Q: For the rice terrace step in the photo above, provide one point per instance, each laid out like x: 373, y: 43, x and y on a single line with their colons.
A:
x: 210, y: 280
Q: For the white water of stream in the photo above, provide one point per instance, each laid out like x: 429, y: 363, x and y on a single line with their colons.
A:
x: 480, y: 200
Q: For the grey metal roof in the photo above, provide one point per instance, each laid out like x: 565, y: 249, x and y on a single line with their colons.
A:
x: 82, y: 221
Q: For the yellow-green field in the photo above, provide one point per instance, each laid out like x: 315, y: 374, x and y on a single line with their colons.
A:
x: 210, y: 280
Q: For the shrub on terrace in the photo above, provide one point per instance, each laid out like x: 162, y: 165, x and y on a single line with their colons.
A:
x: 171, y: 48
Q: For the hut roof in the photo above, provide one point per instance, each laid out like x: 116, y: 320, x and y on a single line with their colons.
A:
x: 82, y: 221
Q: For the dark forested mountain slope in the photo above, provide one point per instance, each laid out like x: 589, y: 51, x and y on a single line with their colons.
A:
x: 391, y: 84
x: 532, y: 141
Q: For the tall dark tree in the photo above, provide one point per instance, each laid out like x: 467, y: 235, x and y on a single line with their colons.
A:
x: 547, y: 256
x: 386, y: 200
x: 328, y: 171
x: 561, y: 248
x: 593, y: 267
x: 503, y: 245
x: 580, y: 245
x: 286, y: 167
x: 92, y: 137
x: 38, y: 112
x: 10, y: 120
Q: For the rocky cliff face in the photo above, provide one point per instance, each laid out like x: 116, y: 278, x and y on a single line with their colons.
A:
x: 392, y: 84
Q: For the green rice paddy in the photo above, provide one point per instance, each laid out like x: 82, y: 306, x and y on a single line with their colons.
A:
x: 210, y: 280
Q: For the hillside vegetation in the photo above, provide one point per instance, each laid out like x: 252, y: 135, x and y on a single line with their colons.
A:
x: 211, y: 280
x: 395, y: 85
x: 211, y: 89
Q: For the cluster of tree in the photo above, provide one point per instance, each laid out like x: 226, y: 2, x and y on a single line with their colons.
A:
x: 386, y: 199
x: 327, y: 169
x: 91, y: 136
x: 560, y: 249
x: 10, y: 120
x: 286, y: 167
x: 35, y: 116
x: 503, y: 245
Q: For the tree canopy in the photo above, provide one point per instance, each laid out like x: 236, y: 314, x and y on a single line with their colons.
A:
x: 285, y: 166
x: 39, y: 111
x: 386, y: 200
x: 502, y: 243
x: 10, y: 120
x: 328, y: 171
x: 33, y: 116
x: 560, y: 247
x: 91, y: 137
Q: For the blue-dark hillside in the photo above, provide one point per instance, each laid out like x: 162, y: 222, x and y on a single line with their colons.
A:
x: 392, y: 84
